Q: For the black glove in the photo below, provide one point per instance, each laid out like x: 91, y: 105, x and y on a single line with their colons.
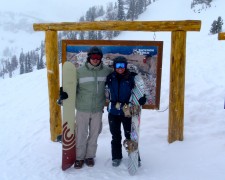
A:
x: 59, y: 138
x: 142, y: 100
x: 62, y: 96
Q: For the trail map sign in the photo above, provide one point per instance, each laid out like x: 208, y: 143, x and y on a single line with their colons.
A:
x: 144, y: 58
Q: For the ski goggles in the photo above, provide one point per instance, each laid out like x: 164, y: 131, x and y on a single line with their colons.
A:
x: 96, y: 56
x: 120, y: 65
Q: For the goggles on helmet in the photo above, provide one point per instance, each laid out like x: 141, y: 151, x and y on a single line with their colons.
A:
x: 120, y: 65
x: 95, y: 56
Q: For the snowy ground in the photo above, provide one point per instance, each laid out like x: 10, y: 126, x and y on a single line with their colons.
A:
x: 26, y: 150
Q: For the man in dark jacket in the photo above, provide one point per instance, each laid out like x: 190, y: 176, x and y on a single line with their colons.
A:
x: 120, y: 84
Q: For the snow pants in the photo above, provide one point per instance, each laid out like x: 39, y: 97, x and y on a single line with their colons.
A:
x: 115, y: 129
x: 88, y: 128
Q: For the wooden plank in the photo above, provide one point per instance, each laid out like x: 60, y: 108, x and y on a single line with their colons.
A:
x: 51, y: 45
x: 187, y: 25
x: 221, y: 36
x: 177, y: 86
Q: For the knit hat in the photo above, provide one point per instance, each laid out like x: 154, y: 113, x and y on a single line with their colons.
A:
x: 119, y: 59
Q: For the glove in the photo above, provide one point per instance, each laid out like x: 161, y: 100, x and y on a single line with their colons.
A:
x: 142, y: 100
x: 62, y: 96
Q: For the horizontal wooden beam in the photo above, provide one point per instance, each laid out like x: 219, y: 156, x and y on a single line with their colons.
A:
x: 221, y: 36
x: 187, y: 25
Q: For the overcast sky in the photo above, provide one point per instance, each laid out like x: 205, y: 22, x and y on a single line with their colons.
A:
x: 53, y: 10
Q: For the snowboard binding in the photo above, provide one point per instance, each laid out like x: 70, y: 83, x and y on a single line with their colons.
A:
x: 130, y: 145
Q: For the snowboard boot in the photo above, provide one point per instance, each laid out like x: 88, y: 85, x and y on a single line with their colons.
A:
x: 78, y: 164
x: 116, y: 162
x: 139, y: 163
x: 90, y: 162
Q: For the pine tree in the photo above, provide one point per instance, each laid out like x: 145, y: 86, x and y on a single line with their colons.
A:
x: 121, y: 13
x: 33, y: 57
x: 82, y: 35
x: 100, y: 11
x: 42, y: 53
x: 140, y: 6
x: 148, y: 2
x: 71, y: 35
x: 116, y: 33
x: 92, y: 35
x: 206, y: 2
x: 2, y: 73
x: 135, y: 8
x: 145, y: 4
x: 22, y: 61
x: 110, y: 12
x: 99, y: 35
x: 91, y: 14
x: 9, y: 68
x: 14, y: 62
x: 108, y: 35
x: 29, y: 63
x: 41, y: 64
x: 131, y: 10
x: 25, y: 64
x: 217, y: 26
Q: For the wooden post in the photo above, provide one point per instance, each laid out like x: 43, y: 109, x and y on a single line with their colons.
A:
x: 177, y: 85
x: 51, y: 47
x: 221, y: 36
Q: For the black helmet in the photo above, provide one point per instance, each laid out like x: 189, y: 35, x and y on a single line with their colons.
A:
x: 95, y: 50
x: 119, y: 59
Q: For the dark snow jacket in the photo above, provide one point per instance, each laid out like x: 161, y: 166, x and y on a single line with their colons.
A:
x: 119, y: 88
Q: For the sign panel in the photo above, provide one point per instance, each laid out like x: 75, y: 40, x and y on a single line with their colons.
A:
x: 144, y: 58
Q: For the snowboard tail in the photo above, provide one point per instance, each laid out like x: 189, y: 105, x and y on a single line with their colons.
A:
x: 133, y: 155
x: 68, y: 133
x: 68, y: 148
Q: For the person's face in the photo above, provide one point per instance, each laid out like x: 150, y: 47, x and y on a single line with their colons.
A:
x: 95, y: 59
x: 120, y: 68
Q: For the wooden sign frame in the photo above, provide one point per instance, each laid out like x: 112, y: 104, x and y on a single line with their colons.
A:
x: 178, y: 30
x: 144, y: 58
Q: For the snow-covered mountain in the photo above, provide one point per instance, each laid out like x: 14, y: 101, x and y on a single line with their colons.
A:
x: 16, y: 22
x: 16, y: 33
x: 17, y: 18
x: 26, y: 151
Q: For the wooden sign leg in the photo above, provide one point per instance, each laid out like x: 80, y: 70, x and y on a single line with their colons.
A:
x: 51, y: 44
x: 177, y: 85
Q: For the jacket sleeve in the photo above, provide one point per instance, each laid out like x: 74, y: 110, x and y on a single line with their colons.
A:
x: 139, y: 82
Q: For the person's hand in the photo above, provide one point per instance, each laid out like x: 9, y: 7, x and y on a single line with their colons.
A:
x: 62, y: 96
x: 142, y: 100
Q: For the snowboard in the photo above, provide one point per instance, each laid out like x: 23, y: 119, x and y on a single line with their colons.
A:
x: 133, y: 151
x: 69, y: 82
